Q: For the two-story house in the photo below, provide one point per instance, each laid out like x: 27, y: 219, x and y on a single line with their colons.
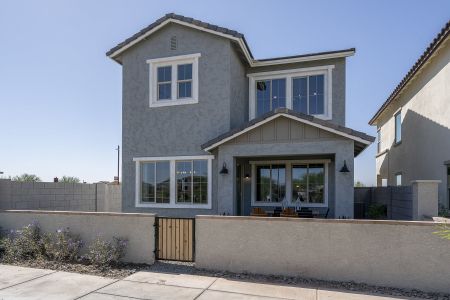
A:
x: 414, y: 123
x: 208, y: 129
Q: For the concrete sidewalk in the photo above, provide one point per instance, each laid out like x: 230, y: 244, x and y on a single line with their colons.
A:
x: 28, y: 283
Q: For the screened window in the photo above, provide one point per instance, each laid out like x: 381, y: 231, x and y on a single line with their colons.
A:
x: 184, y: 81
x: 192, y: 181
x: 270, y: 183
x: 270, y: 95
x: 308, y: 183
x: 164, y: 83
x: 308, y: 94
x: 155, y: 182
x: 398, y: 127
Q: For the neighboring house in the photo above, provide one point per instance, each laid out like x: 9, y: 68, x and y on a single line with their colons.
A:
x: 414, y: 123
x: 208, y: 129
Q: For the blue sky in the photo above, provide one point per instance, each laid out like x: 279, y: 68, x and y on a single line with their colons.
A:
x: 60, y: 96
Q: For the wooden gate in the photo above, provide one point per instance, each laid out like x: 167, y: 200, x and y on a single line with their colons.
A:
x: 175, y: 238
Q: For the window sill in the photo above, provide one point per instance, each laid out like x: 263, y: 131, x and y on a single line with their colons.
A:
x: 169, y: 205
x: 163, y: 103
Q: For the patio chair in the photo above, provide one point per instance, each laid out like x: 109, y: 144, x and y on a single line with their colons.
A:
x: 289, y: 212
x: 258, y: 212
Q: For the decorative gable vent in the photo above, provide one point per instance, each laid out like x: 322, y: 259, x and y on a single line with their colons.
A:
x: 173, y: 43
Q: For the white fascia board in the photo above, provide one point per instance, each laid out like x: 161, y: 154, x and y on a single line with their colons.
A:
x: 352, y: 137
x: 252, y: 62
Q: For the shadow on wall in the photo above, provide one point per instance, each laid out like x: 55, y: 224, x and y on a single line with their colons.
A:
x: 424, y: 148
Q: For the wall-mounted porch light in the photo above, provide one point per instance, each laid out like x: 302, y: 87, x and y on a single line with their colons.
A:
x: 344, y: 168
x: 224, y: 169
x: 247, y: 176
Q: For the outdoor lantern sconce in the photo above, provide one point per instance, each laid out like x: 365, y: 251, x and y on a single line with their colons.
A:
x: 247, y: 176
x: 224, y: 169
x: 344, y: 168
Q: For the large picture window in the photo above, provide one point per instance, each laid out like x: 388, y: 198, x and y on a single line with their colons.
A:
x: 180, y: 181
x: 192, y: 181
x: 173, y: 80
x: 290, y: 180
x: 270, y: 183
x: 155, y: 182
x: 308, y: 183
x: 306, y: 90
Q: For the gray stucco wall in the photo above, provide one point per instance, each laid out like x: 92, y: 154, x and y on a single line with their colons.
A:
x: 425, y: 145
x: 180, y: 130
x: 338, y: 82
x: 173, y: 130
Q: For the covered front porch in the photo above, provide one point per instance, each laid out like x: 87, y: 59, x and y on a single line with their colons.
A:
x: 287, y: 159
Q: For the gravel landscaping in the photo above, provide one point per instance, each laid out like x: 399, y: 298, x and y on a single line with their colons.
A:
x: 123, y: 270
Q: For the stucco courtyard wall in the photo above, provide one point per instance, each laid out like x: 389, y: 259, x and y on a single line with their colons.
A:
x: 402, y: 254
x: 137, y: 228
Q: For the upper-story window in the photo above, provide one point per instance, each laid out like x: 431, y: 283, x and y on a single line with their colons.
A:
x: 173, y: 80
x: 379, y: 140
x: 270, y: 94
x: 398, y: 127
x: 306, y: 90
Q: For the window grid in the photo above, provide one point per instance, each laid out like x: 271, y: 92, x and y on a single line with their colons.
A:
x: 186, y: 83
x: 164, y: 82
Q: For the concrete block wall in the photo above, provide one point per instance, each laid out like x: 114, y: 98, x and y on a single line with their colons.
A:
x: 59, y: 196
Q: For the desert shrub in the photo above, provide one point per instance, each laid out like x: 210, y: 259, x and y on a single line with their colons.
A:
x: 443, y: 231
x: 377, y: 211
x: 23, y: 244
x: 106, y: 253
x: 62, y: 245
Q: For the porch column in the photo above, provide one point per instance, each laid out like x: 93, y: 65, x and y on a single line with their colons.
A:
x: 344, y: 182
x: 225, y: 183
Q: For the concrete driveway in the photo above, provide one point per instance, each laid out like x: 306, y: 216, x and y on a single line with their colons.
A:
x: 27, y: 283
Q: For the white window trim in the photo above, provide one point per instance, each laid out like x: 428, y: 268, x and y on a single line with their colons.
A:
x: 288, y: 164
x: 172, y: 61
x: 290, y: 75
x: 172, y: 203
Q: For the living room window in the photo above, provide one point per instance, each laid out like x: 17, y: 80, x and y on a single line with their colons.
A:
x: 274, y: 182
x: 306, y: 90
x: 174, y: 182
x: 173, y: 80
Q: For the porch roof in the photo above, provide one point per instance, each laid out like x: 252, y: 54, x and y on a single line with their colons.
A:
x: 361, y: 139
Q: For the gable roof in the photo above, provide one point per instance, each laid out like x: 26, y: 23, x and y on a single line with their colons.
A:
x: 420, y: 63
x: 233, y: 35
x: 361, y: 139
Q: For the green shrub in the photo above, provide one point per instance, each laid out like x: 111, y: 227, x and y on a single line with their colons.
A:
x: 443, y: 231
x: 377, y: 211
x: 23, y: 244
x: 106, y: 253
x: 62, y: 245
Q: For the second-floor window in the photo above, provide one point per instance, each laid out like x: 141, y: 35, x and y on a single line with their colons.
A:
x: 270, y: 94
x: 398, y: 127
x: 173, y: 80
x: 379, y: 140
x: 306, y: 91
